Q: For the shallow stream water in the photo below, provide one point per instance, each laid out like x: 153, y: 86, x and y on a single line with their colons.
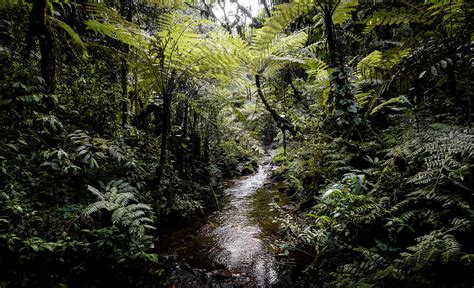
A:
x: 235, y: 239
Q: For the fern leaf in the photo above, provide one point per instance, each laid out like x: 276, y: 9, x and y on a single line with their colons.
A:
x: 68, y: 29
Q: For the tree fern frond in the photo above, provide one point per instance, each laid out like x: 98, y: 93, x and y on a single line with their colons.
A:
x: 68, y: 29
x: 122, y: 198
x: 140, y: 206
x: 343, y: 11
x: 282, y: 17
x: 394, y: 16
x: 109, y: 23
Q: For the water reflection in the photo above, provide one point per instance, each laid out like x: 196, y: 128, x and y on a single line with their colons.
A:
x: 238, y: 246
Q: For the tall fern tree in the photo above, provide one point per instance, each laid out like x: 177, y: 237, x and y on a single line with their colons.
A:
x: 178, y: 54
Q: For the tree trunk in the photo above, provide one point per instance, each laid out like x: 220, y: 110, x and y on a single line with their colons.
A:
x: 124, y: 84
x: 331, y: 40
x: 126, y: 11
x: 265, y: 6
x: 195, y: 139
x: 165, y: 129
x: 40, y: 28
x: 296, y: 93
x: 339, y: 85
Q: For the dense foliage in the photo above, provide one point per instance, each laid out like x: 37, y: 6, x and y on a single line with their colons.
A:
x: 119, y: 116
x: 382, y: 169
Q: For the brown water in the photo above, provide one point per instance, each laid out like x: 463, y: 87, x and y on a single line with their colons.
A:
x: 236, y: 238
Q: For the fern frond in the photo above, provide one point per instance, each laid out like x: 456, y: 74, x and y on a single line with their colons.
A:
x: 76, y: 39
x: 97, y: 206
x: 438, y: 245
x: 371, y: 61
x: 95, y: 192
x: 394, y: 16
x: 117, y: 198
x: 396, y: 100
x: 109, y: 23
x: 343, y: 11
x: 283, y: 16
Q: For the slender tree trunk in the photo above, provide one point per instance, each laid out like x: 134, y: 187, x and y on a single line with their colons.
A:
x: 296, y: 93
x: 126, y: 10
x: 165, y: 129
x: 336, y: 82
x: 331, y: 41
x: 40, y: 28
x: 195, y: 140
x: 124, y: 84
x: 206, y: 156
x: 185, y: 121
x: 265, y: 6
x: 181, y: 157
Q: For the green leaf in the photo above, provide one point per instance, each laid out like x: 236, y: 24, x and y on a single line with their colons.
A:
x: 14, y: 147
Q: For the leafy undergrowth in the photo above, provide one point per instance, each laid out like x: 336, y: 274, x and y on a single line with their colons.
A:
x: 400, y: 216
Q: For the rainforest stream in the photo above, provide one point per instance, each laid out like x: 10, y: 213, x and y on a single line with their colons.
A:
x: 233, y: 243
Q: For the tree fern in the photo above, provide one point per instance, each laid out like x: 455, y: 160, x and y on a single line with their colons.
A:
x: 453, y: 12
x: 378, y: 63
x: 316, y: 68
x: 375, y: 71
x: 272, y: 59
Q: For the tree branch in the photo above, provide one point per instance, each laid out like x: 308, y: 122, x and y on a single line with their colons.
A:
x: 255, y: 22
x: 282, y: 123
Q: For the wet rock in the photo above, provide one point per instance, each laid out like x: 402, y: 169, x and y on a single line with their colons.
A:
x: 186, y: 267
x: 247, y: 170
x: 221, y: 274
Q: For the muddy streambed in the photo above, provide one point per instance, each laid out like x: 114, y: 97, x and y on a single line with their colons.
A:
x: 230, y: 247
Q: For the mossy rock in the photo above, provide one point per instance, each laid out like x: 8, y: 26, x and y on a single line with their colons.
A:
x: 247, y: 169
